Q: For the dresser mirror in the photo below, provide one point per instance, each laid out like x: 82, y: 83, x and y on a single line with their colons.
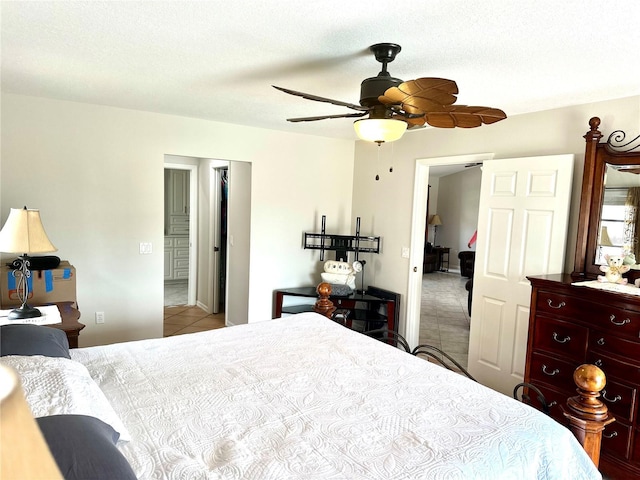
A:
x: 609, y: 221
x: 619, y: 215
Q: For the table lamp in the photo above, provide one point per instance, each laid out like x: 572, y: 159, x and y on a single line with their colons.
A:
x: 435, y: 221
x: 24, y: 234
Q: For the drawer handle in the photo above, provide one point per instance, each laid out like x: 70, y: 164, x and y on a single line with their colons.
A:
x: 552, y: 404
x: 552, y: 373
x: 598, y: 363
x: 611, y: 400
x: 611, y: 435
x: 600, y: 341
x: 560, y: 305
x: 559, y: 340
x: 619, y: 324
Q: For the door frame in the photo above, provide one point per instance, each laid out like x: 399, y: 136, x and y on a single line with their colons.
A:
x: 214, y: 195
x: 193, y: 226
x: 418, y: 225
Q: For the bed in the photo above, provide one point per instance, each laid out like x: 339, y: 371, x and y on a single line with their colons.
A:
x: 300, y: 397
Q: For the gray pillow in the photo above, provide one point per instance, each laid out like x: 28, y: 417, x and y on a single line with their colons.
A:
x: 30, y: 339
x: 84, y: 448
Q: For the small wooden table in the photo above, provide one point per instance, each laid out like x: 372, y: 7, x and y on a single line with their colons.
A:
x: 441, y: 252
x: 70, y: 324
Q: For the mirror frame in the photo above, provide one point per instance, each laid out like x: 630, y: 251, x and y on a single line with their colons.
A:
x: 597, y: 156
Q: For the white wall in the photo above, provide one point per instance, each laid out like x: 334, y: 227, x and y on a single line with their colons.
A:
x: 96, y: 174
x: 458, y: 201
x: 388, y: 204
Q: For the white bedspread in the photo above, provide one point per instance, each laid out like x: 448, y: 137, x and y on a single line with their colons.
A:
x: 304, y: 398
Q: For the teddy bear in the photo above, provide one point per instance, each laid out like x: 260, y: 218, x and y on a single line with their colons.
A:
x: 614, y: 269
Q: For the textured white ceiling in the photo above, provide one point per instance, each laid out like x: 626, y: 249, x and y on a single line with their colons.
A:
x: 218, y: 59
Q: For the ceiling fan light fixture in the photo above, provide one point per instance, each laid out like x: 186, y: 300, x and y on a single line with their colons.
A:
x: 380, y: 130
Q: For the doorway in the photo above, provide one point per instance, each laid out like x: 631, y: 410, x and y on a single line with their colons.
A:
x: 202, y: 245
x: 180, y: 233
x: 454, y: 193
x: 418, y: 226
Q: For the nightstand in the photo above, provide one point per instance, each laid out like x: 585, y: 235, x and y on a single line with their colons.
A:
x: 70, y: 324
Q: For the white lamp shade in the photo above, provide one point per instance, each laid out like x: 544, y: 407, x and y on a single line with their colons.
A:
x: 23, y: 233
x: 380, y: 129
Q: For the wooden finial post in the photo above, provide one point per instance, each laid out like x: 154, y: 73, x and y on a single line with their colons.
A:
x: 324, y: 306
x: 587, y: 415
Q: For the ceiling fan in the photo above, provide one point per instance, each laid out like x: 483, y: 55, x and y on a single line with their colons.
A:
x: 393, y: 106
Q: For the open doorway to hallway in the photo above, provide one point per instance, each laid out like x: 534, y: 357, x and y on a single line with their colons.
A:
x: 427, y: 174
x: 453, y: 197
x: 218, y: 238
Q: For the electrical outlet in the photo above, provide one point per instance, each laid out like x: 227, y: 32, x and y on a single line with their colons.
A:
x: 146, y: 248
x: 405, y: 252
x: 99, y: 317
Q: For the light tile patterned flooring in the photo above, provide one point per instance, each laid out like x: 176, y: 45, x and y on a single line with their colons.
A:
x: 179, y: 318
x: 444, y: 319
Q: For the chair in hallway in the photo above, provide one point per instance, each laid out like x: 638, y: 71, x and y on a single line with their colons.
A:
x: 467, y: 261
x: 469, y: 288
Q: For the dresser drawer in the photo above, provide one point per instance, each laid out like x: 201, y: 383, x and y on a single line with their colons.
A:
x: 562, y: 338
x: 620, y: 399
x: 181, y: 263
x: 182, y: 242
x: 616, y: 440
x: 616, y: 320
x: 613, y: 367
x: 551, y: 371
x: 620, y: 321
x: 607, y: 342
x: 558, y: 304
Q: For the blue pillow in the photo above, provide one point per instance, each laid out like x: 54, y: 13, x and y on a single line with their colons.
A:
x: 84, y: 448
x: 28, y: 339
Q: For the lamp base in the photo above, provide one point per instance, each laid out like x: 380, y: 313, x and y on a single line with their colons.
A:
x: 25, y: 311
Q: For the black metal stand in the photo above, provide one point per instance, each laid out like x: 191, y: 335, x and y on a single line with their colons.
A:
x: 341, y: 244
x: 22, y: 275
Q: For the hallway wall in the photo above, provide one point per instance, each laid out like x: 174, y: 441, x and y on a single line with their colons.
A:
x: 458, y: 199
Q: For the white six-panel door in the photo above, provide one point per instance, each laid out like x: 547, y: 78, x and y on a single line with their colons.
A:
x: 522, y: 230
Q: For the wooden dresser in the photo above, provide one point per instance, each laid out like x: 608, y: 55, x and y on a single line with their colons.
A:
x: 571, y: 325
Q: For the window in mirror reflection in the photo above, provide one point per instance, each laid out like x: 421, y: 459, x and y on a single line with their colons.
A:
x: 619, y: 224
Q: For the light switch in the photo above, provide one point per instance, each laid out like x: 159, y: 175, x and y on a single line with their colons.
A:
x: 405, y: 252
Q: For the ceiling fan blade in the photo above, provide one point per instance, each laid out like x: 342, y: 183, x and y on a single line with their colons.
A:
x: 324, y: 117
x: 434, y: 91
x: 464, y: 116
x: 316, y: 98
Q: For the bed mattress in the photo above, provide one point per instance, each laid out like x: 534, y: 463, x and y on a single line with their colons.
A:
x: 305, y: 398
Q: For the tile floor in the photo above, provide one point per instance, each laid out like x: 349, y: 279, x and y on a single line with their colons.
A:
x: 180, y: 318
x: 175, y: 293
x: 183, y: 319
x: 444, y: 319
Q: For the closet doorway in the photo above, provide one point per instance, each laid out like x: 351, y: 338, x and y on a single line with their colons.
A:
x: 219, y: 189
